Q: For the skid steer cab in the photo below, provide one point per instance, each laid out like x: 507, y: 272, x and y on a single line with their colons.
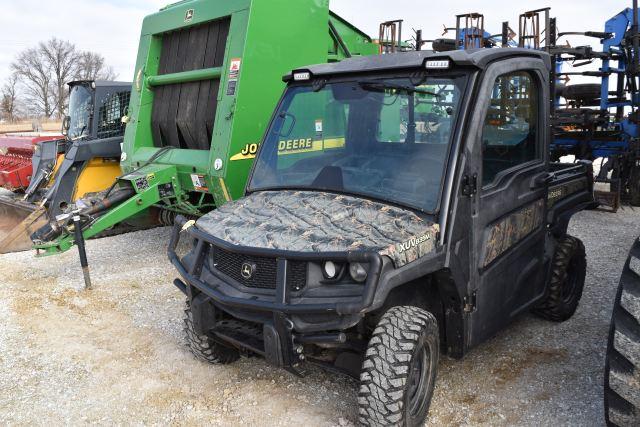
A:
x: 400, y: 207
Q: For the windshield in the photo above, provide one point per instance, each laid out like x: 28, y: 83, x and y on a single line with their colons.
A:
x: 80, y: 102
x: 386, y: 139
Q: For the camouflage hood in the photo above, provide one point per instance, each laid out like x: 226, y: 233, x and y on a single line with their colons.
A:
x: 305, y: 221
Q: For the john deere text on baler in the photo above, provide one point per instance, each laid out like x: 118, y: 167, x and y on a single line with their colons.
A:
x: 208, y: 76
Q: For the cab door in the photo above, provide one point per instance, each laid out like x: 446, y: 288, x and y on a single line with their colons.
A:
x: 509, y: 137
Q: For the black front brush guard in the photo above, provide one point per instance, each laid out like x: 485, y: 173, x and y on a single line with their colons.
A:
x: 280, y: 303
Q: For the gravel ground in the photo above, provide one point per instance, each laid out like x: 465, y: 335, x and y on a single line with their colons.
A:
x: 115, y: 355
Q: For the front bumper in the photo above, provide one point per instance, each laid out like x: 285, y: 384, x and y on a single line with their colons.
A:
x: 281, y: 302
x: 289, y: 319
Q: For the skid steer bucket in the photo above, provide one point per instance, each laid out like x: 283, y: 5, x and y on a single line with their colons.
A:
x: 17, y: 221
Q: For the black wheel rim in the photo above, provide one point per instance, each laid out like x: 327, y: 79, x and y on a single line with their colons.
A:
x: 418, y: 381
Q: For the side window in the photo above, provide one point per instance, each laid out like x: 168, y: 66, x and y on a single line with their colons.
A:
x: 110, y: 115
x: 509, y: 136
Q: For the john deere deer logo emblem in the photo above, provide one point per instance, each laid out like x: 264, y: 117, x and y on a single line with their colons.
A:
x: 247, y: 270
x: 188, y: 16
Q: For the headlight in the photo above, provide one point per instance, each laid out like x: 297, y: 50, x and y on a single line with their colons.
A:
x: 358, y: 272
x: 330, y: 270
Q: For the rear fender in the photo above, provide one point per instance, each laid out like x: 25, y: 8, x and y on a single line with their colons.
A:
x: 570, y: 192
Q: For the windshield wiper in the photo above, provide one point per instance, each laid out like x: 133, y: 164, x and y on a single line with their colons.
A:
x: 409, y: 89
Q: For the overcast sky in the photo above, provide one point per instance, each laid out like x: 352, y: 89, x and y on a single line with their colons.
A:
x: 112, y: 27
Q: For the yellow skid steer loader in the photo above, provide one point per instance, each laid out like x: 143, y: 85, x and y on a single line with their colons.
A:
x: 66, y: 170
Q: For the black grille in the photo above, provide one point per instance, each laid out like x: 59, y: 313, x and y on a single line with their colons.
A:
x: 184, y: 113
x: 110, y: 115
x: 265, y: 270
x: 297, y: 275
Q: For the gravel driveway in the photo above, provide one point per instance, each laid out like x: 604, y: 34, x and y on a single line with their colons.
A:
x: 114, y: 355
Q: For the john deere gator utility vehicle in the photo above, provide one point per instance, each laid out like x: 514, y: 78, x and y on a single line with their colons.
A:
x: 66, y: 170
x: 370, y: 240
x: 208, y: 76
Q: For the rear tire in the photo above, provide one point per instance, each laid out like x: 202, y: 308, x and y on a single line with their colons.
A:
x: 622, y: 368
x: 566, y: 282
x: 399, y: 371
x: 203, y: 347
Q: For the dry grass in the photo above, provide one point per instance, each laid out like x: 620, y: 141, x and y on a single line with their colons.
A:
x: 26, y: 126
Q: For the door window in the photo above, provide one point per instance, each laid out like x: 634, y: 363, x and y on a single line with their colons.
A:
x: 510, y: 133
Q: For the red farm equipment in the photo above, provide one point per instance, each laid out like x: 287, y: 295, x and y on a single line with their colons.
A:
x: 16, y: 152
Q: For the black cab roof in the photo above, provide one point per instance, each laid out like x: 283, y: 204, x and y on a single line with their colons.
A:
x: 478, y: 58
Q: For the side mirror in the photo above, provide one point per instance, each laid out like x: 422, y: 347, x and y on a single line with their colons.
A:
x: 66, y: 124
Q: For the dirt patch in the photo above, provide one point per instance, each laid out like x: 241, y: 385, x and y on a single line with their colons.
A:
x: 509, y: 368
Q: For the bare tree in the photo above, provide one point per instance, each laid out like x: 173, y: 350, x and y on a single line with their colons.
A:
x: 34, y: 73
x: 92, y: 66
x: 9, y: 99
x: 62, y: 58
x: 44, y: 72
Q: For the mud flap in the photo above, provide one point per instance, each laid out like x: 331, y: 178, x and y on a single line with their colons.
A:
x: 204, y: 314
x: 278, y: 343
x: 17, y: 221
x: 273, y: 351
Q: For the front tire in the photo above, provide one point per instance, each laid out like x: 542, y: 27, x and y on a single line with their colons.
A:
x: 399, y: 371
x: 203, y: 347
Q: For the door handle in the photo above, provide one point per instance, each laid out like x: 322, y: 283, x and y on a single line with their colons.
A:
x: 542, y: 180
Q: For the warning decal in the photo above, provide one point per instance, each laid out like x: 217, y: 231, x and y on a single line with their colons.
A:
x: 199, y: 184
x: 234, y: 72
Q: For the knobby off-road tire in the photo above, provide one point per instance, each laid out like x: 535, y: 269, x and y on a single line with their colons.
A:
x: 399, y: 370
x: 567, y: 281
x: 622, y: 368
x: 203, y: 347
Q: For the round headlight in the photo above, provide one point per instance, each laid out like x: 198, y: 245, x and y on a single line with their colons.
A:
x: 357, y: 272
x: 330, y: 270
